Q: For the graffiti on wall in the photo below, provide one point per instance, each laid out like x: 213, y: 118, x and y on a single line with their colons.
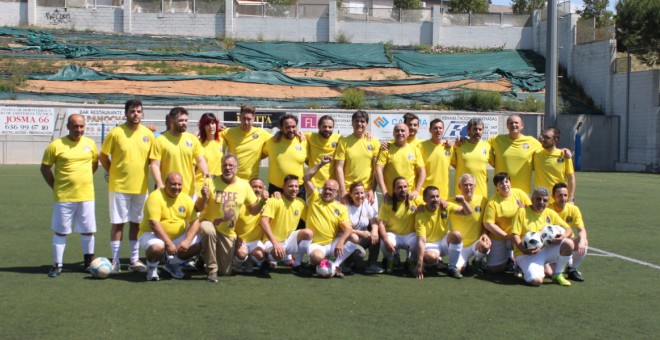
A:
x: 57, y: 17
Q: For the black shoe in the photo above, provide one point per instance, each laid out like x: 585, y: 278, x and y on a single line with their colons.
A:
x: 87, y: 262
x: 510, y: 265
x: 264, y: 269
x: 199, y: 264
x: 575, y: 275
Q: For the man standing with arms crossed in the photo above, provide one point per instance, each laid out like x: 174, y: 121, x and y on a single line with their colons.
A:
x: 175, y: 151
x: 125, y: 156
x: 75, y: 158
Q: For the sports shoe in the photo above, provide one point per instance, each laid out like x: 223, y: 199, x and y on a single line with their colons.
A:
x: 116, y: 268
x: 303, y: 270
x: 264, y: 270
x: 454, y: 272
x: 374, y: 269
x: 87, y: 261
x: 152, y: 274
x: 137, y: 267
x: 338, y: 274
x: 517, y: 272
x: 55, y: 271
x: 441, y: 266
x: 575, y: 275
x: 389, y: 266
x: 289, y: 260
x: 510, y: 265
x: 212, y: 277
x: 560, y: 280
x: 477, y: 266
x: 174, y: 270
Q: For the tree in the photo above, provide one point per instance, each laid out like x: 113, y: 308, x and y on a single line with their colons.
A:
x: 596, y: 9
x: 637, y: 24
x: 526, y: 6
x: 466, y: 6
x: 407, y: 4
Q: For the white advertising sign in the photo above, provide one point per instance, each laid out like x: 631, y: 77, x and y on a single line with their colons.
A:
x: 382, y: 125
x: 308, y: 122
x: 456, y: 125
x: 29, y: 121
x: 95, y: 119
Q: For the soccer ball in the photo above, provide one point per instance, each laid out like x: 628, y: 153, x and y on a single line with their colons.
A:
x: 532, y: 240
x: 100, y: 268
x: 324, y: 269
x: 551, y: 232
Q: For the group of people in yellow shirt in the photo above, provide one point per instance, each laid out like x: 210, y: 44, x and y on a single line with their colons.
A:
x: 211, y: 204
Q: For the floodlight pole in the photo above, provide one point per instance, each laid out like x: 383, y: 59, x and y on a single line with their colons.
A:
x: 550, y: 118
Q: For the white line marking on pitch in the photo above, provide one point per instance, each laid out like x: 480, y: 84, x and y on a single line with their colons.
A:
x: 629, y: 259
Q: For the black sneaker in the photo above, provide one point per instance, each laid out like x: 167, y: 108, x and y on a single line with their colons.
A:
x: 264, y: 269
x: 510, y: 265
x: 575, y: 275
x: 87, y: 262
x: 55, y: 271
x: 454, y: 272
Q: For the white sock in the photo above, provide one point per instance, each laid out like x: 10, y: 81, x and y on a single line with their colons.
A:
x: 87, y: 244
x: 303, y: 246
x: 562, y: 261
x: 135, y: 250
x: 577, y: 260
x: 479, y: 255
x: 59, y: 243
x: 152, y: 264
x: 454, y: 253
x: 115, y: 248
x: 240, y: 261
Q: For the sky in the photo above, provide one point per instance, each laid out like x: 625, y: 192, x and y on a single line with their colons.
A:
x: 576, y: 4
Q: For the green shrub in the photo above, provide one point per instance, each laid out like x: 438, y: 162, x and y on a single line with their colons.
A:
x: 352, y: 98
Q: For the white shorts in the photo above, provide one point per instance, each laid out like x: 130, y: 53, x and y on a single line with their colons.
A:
x: 408, y: 241
x: 329, y: 249
x: 80, y: 214
x: 499, y: 252
x: 149, y: 239
x: 253, y: 245
x: 439, y: 246
x: 126, y: 207
x: 533, y: 266
x: 290, y: 244
x: 466, y: 253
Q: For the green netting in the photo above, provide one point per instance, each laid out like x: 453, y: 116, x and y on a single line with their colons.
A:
x: 75, y: 72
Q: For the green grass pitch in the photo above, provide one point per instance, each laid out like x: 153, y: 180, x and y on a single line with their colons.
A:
x: 618, y: 299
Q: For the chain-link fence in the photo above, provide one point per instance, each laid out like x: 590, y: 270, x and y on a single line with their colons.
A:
x: 586, y: 31
x: 485, y: 19
x: 177, y: 6
x: 383, y: 14
x: 263, y: 9
x: 563, y: 9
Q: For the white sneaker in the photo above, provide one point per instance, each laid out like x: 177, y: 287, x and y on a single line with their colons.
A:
x: 174, y: 270
x: 116, y: 268
x: 138, y: 267
x: 152, y: 274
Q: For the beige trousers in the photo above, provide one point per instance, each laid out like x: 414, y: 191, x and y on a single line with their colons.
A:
x: 217, y: 249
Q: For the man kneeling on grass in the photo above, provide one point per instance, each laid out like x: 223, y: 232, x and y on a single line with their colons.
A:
x: 533, y: 262
x: 169, y: 227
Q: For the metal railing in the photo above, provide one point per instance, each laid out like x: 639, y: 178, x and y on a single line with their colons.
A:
x: 384, y: 14
x: 264, y: 9
x: 486, y: 19
x: 586, y: 31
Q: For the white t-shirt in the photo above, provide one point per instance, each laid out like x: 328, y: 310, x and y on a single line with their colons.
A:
x: 360, y: 216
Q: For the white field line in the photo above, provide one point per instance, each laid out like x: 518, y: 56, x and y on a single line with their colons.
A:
x: 625, y: 258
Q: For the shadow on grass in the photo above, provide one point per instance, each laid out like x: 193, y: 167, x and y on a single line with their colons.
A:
x: 506, y: 278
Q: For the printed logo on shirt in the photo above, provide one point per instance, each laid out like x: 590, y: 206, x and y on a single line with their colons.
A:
x: 547, y: 220
x: 182, y: 209
x: 477, y: 209
x: 483, y: 151
x: 569, y: 219
x: 411, y: 157
x: 87, y: 148
x: 443, y: 215
x: 255, y: 136
x: 337, y: 212
x: 526, y: 146
x: 145, y: 139
x: 334, y: 144
x: 295, y: 213
x: 189, y: 144
x: 560, y: 160
x: 370, y: 147
x: 298, y: 148
x: 447, y: 153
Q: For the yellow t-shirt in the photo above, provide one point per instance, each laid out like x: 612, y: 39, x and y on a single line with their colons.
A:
x: 178, y: 154
x: 434, y: 225
x: 129, y: 152
x: 358, y: 156
x: 74, y: 176
x: 286, y: 157
x: 515, y: 158
x: 248, y: 227
x: 173, y: 213
x: 472, y: 159
x: 571, y: 214
x: 284, y: 216
x: 437, y: 158
x: 225, y: 201
x: 527, y: 220
x: 247, y: 147
x: 470, y: 226
x: 500, y: 210
x: 401, y: 221
x: 551, y: 168
x: 400, y: 161
x: 213, y: 152
x: 317, y: 147
x: 325, y: 219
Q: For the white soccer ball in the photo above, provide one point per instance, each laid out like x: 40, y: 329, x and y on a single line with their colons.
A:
x: 100, y: 268
x: 551, y: 232
x: 532, y: 240
x: 324, y: 269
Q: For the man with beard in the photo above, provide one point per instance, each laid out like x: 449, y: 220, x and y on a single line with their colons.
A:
x: 437, y: 156
x: 286, y: 155
x: 246, y: 142
x: 321, y: 143
x: 125, y: 156
x: 400, y: 160
x: 177, y: 151
x: 472, y: 157
x: 550, y: 165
